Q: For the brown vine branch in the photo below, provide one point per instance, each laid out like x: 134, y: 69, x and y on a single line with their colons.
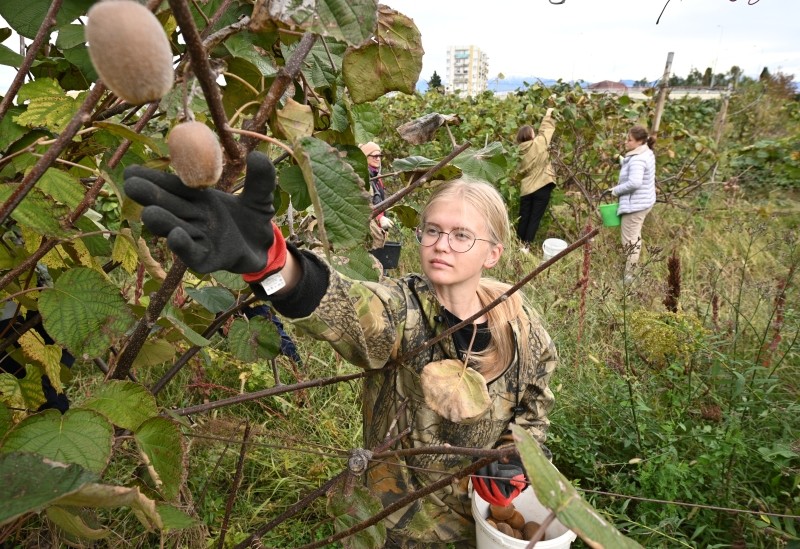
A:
x: 42, y: 35
x: 246, y: 397
x: 402, y: 193
x: 202, y: 70
x: 237, y: 479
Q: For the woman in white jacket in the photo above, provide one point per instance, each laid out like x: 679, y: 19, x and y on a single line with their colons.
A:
x: 636, y: 191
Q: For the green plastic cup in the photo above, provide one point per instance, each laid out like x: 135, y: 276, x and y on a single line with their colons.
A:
x: 608, y: 212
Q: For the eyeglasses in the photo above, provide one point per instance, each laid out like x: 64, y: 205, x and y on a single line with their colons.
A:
x: 460, y: 240
x: 376, y: 155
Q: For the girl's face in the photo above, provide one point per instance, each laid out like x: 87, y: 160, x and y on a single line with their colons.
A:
x: 445, y: 266
x: 631, y: 143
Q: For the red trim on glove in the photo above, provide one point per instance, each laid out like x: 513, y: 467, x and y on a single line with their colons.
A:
x: 276, y: 258
x: 489, y: 491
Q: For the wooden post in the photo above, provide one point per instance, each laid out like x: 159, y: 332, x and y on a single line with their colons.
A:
x: 719, y: 127
x: 662, y: 94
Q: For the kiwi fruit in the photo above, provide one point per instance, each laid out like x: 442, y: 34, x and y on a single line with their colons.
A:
x: 516, y: 520
x: 195, y: 154
x: 504, y: 528
x: 530, y: 529
x: 130, y: 50
x: 499, y: 512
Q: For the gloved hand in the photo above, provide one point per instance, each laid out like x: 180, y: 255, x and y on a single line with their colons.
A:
x: 499, y: 483
x: 605, y: 193
x: 386, y: 223
x: 211, y: 230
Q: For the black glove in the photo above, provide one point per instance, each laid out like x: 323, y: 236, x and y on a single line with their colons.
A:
x: 208, y: 229
x: 605, y: 193
x: 499, y: 483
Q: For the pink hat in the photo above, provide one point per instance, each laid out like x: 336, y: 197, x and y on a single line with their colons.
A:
x: 369, y: 148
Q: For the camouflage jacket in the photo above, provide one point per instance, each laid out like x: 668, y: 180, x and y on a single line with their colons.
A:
x: 370, y: 323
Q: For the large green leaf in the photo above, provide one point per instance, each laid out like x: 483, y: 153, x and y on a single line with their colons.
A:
x: 37, y: 212
x: 153, y: 353
x: 344, y: 201
x: 62, y: 186
x: 488, y: 163
x: 350, y: 20
x: 10, y: 131
x: 173, y: 518
x: 420, y: 164
x: 120, y: 130
x: 10, y: 58
x: 5, y: 420
x: 160, y: 439
x: 172, y: 317
x: 79, y: 436
x: 254, y: 339
x: 26, y: 16
x: 72, y: 43
x: 239, y: 45
x: 358, y: 263
x: 215, y: 299
x: 292, y: 181
x: 30, y: 483
x: 85, y: 312
x: 366, y: 121
x: 125, y: 403
x: 556, y: 493
x: 348, y: 510
x: 392, y: 62
x: 48, y: 105
x: 323, y: 64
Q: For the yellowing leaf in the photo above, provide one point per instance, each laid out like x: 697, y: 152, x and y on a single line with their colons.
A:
x: 453, y: 391
x: 74, y: 524
x: 295, y: 120
x: 124, y: 251
x: 49, y: 356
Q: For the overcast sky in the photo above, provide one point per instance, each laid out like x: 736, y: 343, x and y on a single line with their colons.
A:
x: 594, y: 40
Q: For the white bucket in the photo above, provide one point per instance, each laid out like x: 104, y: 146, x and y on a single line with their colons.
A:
x: 557, y: 536
x: 552, y: 247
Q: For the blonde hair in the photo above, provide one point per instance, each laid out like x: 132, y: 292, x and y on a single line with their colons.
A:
x: 487, y: 201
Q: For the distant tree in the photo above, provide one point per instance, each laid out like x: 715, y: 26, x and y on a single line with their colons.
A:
x: 435, y: 83
x: 694, y: 78
x: 736, y: 74
x: 764, y: 76
x: 643, y: 83
x: 708, y: 77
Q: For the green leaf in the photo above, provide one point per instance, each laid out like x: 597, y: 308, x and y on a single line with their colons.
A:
x: 125, y: 403
x: 23, y: 494
x: 392, y: 62
x: 160, y: 439
x: 10, y: 131
x: 367, y: 122
x: 26, y: 16
x: 73, y: 524
x: 6, y: 420
x: 241, y: 46
x: 254, y: 339
x: 154, y: 353
x: 85, y: 312
x: 421, y: 164
x: 339, y: 118
x: 79, y: 436
x: 295, y: 120
x: 556, y: 493
x: 232, y: 281
x: 48, y: 105
x: 120, y: 130
x: 292, y: 181
x: 25, y: 393
x: 358, y: 264
x: 488, y: 163
x: 214, y: 298
x: 173, y: 518
x: 352, y: 21
x: 37, y: 212
x: 348, y: 510
x: 343, y: 198
x: 62, y: 186
x: 322, y: 64
x: 171, y: 316
x: 10, y: 58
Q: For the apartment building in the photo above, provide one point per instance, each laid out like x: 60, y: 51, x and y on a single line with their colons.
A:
x: 467, y: 70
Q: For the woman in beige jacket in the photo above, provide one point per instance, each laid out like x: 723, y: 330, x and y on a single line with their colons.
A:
x: 538, y: 177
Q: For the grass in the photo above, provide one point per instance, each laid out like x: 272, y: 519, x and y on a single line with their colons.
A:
x: 690, y: 407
